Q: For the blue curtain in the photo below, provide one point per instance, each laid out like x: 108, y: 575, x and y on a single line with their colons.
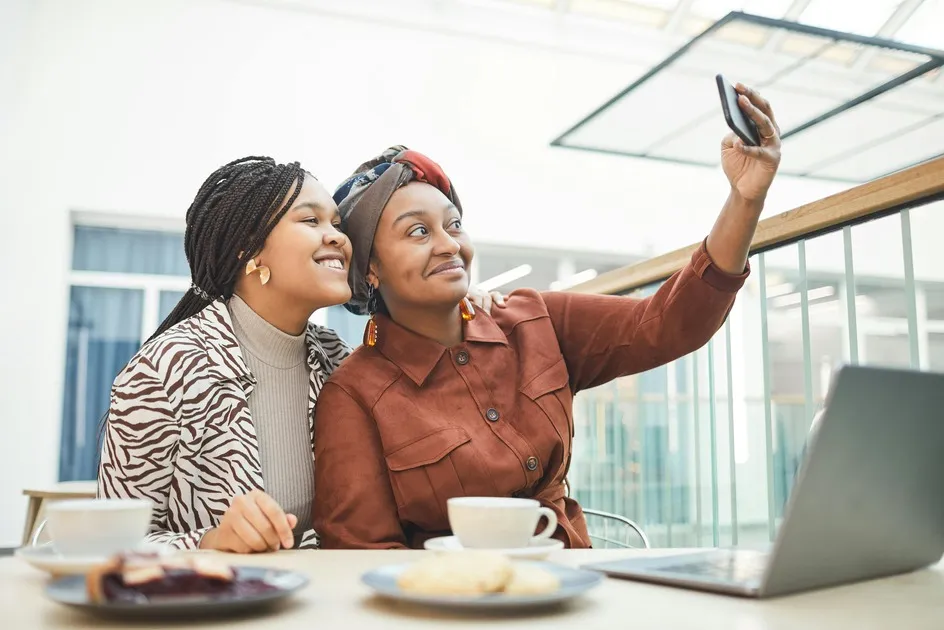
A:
x: 104, y: 333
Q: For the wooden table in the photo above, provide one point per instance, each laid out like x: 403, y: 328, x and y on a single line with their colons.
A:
x: 336, y: 599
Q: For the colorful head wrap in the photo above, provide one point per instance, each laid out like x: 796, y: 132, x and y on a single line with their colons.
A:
x: 363, y: 196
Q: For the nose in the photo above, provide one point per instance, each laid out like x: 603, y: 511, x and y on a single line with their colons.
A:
x: 333, y: 236
x: 445, y: 245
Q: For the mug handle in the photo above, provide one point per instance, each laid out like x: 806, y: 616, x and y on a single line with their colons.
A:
x: 548, y: 531
x: 39, y: 530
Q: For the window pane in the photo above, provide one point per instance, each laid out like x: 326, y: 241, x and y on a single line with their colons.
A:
x: 927, y: 223
x: 881, y: 299
x: 350, y: 327
x: 129, y: 251
x: 168, y: 301
x: 103, y: 334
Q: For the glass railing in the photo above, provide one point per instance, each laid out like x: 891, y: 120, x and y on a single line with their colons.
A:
x: 703, y: 451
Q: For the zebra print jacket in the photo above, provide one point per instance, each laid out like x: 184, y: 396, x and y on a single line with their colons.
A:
x: 179, y: 431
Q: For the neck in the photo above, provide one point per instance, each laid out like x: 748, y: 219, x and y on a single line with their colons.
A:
x: 287, y: 315
x: 441, y: 325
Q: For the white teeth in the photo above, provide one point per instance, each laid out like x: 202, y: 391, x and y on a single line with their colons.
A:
x: 331, y: 263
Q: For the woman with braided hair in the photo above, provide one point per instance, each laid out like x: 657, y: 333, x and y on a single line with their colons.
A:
x: 442, y: 401
x: 211, y: 420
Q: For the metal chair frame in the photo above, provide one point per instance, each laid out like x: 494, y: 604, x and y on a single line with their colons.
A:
x: 608, y: 516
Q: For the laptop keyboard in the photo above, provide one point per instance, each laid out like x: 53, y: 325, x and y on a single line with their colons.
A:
x: 734, y: 567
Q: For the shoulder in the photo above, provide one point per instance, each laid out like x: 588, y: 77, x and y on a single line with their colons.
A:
x: 365, y: 375
x: 178, y: 350
x: 522, y: 305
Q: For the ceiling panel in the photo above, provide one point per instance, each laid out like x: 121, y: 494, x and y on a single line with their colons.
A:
x: 859, y: 128
x: 862, y: 18
x: 898, y: 152
x: 629, y: 123
x: 715, y: 9
x: 924, y: 28
x: 834, y: 95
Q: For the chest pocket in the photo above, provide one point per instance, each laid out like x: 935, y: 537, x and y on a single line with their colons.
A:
x: 550, y: 390
x: 429, y: 470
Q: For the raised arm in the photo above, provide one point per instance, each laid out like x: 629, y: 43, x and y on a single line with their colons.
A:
x: 354, y: 506
x: 604, y: 337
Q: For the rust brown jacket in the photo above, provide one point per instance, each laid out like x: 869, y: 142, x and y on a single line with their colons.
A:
x: 403, y: 426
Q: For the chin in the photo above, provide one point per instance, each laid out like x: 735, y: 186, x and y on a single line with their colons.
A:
x: 330, y: 297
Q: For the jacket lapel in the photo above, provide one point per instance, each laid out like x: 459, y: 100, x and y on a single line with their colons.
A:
x: 226, y: 358
x: 228, y: 365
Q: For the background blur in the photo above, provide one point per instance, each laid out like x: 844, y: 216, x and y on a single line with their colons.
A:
x: 112, y: 112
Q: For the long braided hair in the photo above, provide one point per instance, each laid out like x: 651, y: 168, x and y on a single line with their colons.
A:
x: 227, y: 223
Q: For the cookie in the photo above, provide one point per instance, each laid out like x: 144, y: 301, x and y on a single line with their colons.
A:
x: 465, y: 573
x: 528, y: 580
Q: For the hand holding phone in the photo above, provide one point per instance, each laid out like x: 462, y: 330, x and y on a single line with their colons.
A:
x: 737, y: 120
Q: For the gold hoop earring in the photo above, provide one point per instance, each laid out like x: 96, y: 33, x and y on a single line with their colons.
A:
x: 264, y: 272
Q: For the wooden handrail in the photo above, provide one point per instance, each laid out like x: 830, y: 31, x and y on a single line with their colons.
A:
x: 871, y: 198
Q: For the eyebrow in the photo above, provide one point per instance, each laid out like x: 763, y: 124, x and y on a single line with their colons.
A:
x: 311, y: 205
x: 411, y: 213
x: 419, y: 213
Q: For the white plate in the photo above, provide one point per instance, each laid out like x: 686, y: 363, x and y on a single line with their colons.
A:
x: 538, y: 550
x: 46, y: 558
x: 574, y: 582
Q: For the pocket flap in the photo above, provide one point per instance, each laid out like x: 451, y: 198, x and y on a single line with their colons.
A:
x: 428, y: 449
x: 551, y: 379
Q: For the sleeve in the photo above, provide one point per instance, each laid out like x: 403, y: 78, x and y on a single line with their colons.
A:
x: 139, y: 448
x: 603, y: 337
x: 354, y: 506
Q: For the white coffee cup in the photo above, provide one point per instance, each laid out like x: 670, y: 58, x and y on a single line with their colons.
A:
x: 97, y: 527
x: 497, y: 522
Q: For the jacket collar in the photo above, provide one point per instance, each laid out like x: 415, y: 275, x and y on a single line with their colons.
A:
x: 417, y: 355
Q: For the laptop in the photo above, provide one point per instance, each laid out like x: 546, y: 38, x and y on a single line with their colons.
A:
x: 868, y: 500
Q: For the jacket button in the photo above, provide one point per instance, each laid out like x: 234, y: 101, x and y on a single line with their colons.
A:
x: 532, y: 463
x: 492, y: 415
x: 462, y: 357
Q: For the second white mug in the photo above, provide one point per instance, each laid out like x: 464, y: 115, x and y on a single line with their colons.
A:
x: 498, y: 522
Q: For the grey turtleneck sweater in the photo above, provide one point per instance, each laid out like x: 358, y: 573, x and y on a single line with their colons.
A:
x: 279, y: 408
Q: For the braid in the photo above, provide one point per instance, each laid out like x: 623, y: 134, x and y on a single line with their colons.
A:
x: 229, y: 220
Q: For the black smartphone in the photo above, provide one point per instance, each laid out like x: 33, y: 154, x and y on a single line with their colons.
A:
x: 737, y: 120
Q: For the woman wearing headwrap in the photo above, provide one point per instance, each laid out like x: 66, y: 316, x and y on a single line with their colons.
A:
x: 443, y: 401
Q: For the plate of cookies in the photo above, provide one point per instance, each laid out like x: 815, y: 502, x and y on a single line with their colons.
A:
x: 480, y: 579
x: 149, y: 584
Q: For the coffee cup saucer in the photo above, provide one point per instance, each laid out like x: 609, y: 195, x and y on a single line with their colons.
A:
x: 46, y: 558
x: 539, y: 549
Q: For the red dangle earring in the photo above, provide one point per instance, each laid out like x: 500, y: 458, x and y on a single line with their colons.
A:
x: 370, y: 333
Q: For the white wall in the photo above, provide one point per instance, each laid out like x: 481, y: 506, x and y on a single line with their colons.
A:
x: 124, y: 107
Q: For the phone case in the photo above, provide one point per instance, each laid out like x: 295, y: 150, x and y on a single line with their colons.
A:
x: 738, y: 122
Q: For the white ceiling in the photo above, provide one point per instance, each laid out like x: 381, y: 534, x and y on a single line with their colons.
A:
x: 810, y: 76
x: 915, y: 22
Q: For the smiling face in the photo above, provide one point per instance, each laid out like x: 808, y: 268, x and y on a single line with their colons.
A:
x: 421, y: 254
x: 307, y: 256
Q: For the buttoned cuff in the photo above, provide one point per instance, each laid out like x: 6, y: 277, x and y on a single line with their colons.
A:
x: 706, y: 269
